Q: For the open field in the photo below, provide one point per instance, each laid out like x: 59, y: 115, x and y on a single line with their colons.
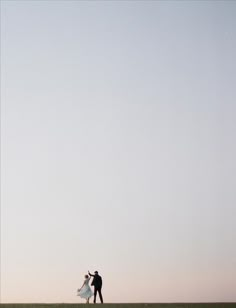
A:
x: 121, y: 305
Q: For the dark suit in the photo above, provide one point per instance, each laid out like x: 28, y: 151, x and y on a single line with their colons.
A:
x: 97, y: 283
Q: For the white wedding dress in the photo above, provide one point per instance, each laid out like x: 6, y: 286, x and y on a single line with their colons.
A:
x: 85, y: 291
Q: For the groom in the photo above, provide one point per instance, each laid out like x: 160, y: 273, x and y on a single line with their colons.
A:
x: 97, y: 283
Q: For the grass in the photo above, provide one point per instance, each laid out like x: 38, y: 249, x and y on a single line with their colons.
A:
x: 123, y: 305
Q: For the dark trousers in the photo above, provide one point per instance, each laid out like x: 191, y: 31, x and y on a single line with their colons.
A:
x: 99, y: 290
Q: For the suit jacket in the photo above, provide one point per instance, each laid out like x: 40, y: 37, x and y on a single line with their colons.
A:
x: 97, y: 281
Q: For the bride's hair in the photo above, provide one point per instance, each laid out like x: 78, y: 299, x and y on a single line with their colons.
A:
x: 86, y: 276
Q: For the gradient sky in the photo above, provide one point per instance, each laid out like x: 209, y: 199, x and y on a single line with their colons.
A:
x: 118, y: 149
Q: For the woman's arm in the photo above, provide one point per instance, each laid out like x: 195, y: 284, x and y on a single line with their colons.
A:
x: 81, y: 287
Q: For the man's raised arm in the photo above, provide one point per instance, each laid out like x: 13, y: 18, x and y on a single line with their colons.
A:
x: 90, y: 274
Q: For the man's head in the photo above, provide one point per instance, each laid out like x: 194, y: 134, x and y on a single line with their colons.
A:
x: 96, y: 272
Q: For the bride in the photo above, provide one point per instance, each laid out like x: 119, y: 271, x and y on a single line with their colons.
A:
x: 85, y: 291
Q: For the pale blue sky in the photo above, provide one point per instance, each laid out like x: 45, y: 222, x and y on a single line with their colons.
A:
x: 118, y: 149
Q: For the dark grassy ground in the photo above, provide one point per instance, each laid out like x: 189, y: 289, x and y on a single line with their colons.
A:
x: 156, y: 305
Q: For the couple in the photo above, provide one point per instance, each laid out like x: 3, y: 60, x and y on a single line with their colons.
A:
x: 86, y: 292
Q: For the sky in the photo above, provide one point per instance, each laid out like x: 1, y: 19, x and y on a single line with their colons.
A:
x: 118, y: 150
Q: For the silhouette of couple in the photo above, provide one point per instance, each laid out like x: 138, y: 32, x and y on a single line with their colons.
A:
x: 86, y: 292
